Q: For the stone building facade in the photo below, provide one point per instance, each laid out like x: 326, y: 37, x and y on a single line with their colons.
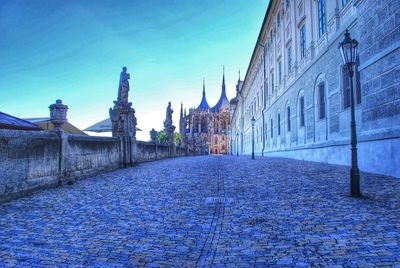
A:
x: 297, y: 89
x: 206, y: 128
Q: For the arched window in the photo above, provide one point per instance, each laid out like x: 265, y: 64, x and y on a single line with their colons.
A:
x: 288, y: 118
x: 301, y: 111
x: 272, y: 128
x: 257, y: 134
x: 321, y: 101
x: 279, y: 124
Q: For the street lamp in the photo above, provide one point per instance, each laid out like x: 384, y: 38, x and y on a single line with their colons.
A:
x: 237, y: 144
x: 253, y: 122
x: 349, y: 50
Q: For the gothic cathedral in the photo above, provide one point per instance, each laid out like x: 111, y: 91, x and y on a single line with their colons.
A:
x: 207, y: 129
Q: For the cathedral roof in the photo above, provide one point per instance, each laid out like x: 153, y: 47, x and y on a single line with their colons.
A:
x: 223, y: 99
x: 204, y: 104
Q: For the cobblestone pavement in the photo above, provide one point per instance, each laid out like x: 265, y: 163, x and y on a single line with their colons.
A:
x: 208, y: 211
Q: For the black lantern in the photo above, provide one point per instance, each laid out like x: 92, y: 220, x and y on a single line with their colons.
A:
x: 237, y: 144
x: 253, y: 122
x: 349, y: 50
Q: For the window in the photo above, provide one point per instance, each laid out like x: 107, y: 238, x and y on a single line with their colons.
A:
x: 301, y: 111
x: 258, y: 100
x: 321, y: 17
x: 288, y: 118
x: 321, y: 101
x: 279, y: 124
x: 287, y: 3
x: 289, y: 52
x: 272, y: 83
x: 272, y: 129
x: 257, y: 134
x: 303, y: 41
x: 266, y: 90
x: 280, y: 72
x: 344, y: 2
x: 346, y: 87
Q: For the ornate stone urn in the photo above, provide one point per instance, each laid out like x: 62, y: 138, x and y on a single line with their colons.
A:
x: 58, y: 114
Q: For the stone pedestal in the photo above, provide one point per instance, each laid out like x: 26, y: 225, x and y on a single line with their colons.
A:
x: 124, y: 128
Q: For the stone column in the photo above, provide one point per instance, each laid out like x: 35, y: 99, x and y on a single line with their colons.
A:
x: 58, y: 117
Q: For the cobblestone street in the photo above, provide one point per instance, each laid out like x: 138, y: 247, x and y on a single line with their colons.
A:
x: 211, y: 210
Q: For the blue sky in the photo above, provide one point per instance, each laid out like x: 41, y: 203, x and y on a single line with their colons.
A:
x: 74, y: 50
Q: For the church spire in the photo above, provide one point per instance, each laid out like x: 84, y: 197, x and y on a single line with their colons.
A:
x: 223, y: 98
x: 203, y: 104
x: 204, y: 88
x: 223, y: 78
x: 181, y: 109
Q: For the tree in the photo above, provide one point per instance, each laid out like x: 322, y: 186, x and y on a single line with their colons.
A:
x: 161, y: 137
x: 177, y: 138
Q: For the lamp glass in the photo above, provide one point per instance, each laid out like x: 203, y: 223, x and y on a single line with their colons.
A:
x: 253, y: 121
x: 348, y: 49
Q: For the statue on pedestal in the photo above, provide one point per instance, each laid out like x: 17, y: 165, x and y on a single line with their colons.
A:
x: 122, y: 115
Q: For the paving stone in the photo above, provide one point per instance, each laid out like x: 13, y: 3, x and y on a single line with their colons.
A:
x: 211, y: 211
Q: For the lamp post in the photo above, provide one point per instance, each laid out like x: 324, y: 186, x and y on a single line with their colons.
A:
x: 237, y: 144
x: 349, y: 51
x: 253, y: 122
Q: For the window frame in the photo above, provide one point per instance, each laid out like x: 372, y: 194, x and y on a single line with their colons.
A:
x: 321, y: 17
x: 303, y: 41
x: 321, y: 101
x: 301, y: 111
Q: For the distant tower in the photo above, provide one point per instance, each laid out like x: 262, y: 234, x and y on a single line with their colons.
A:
x: 182, y: 122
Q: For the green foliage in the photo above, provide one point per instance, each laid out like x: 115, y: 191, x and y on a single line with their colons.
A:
x: 177, y: 136
x: 161, y: 137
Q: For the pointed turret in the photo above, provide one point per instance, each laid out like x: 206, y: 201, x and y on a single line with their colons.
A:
x: 238, y: 85
x: 181, y: 109
x: 182, y: 122
x: 204, y: 104
x: 223, y: 99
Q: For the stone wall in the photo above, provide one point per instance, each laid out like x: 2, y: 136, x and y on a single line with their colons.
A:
x: 29, y: 160
x: 149, y: 151
x: 34, y: 160
x: 87, y: 156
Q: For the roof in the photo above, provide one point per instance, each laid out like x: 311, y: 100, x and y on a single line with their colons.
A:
x: 103, y: 126
x: 204, y: 104
x: 45, y: 124
x: 11, y: 122
x: 223, y: 99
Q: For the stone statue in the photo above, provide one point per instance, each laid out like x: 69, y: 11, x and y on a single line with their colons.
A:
x: 169, y: 111
x: 169, y: 128
x: 122, y: 115
x: 123, y: 87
